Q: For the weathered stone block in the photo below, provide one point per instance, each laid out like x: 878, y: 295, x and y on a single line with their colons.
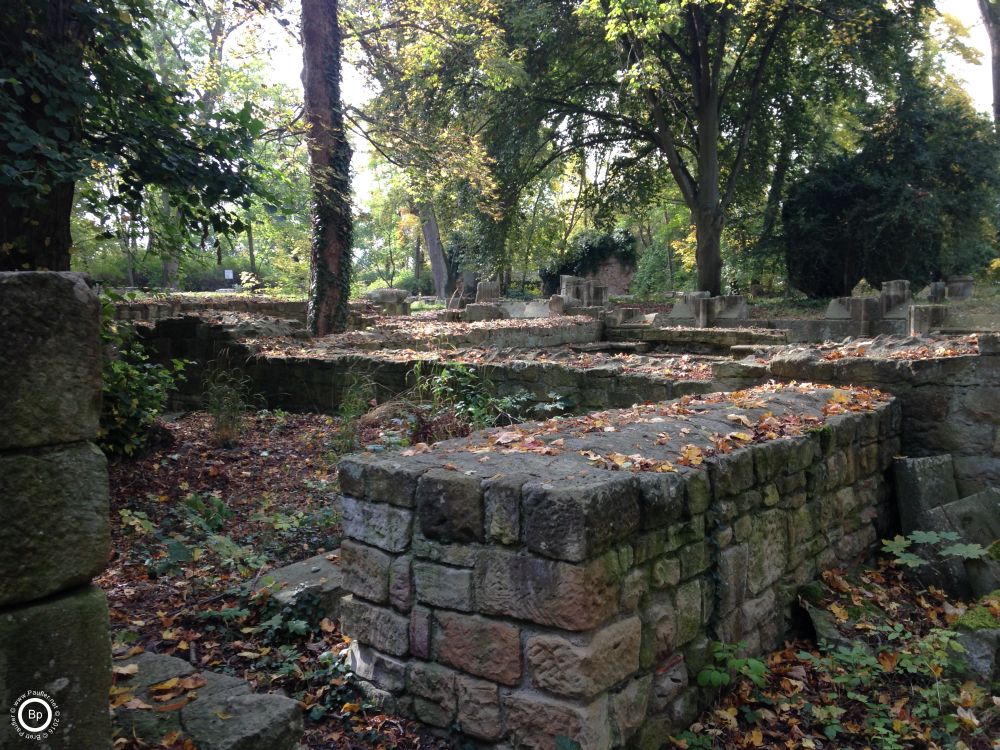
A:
x: 316, y: 576
x: 535, y: 721
x: 661, y: 498
x: 768, y: 546
x: 669, y: 680
x: 54, y: 531
x: 548, y: 592
x: 450, y: 506
x: 695, y: 558
x: 384, y: 526
x: 483, y: 647
x: 666, y: 572
x: 401, y: 583
x: 375, y: 626
x: 502, y: 499
x: 420, y: 632
x: 634, y: 587
x: 733, y: 565
x: 368, y: 664
x: 60, y: 646
x: 50, y: 359
x: 659, y: 630
x: 578, y: 522
x: 628, y: 708
x: 689, y: 610
x: 441, y: 586
x: 732, y: 473
x: 366, y: 570
x: 478, y: 708
x: 434, y: 687
x: 583, y: 670
x: 379, y: 479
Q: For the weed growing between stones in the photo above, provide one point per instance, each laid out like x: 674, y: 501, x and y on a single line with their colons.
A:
x: 227, y: 400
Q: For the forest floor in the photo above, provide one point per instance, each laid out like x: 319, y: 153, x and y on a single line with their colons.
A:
x: 197, y: 520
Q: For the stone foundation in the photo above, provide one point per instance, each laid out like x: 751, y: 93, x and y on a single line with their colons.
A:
x: 54, y: 528
x: 512, y: 586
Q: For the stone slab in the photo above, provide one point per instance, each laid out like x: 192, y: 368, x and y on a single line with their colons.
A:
x: 54, y: 530
x: 317, y: 576
x: 50, y: 359
x: 59, y: 646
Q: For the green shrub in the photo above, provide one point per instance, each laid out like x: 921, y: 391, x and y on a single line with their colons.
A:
x: 135, y: 389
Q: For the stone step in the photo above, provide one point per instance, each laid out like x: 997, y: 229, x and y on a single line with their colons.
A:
x: 318, y: 576
x: 220, y: 713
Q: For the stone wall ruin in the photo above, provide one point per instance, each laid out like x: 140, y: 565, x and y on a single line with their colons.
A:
x: 516, y: 584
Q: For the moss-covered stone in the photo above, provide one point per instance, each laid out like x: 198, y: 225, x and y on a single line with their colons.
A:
x: 979, y: 617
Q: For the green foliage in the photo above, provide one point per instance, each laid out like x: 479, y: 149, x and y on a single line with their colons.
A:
x: 589, y: 249
x: 227, y: 400
x: 857, y: 675
x: 916, y: 202
x: 726, y: 664
x: 135, y: 390
x: 462, y: 389
x: 933, y: 546
x: 77, y: 95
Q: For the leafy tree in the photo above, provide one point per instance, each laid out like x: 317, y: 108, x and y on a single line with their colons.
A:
x: 77, y: 94
x: 917, y: 201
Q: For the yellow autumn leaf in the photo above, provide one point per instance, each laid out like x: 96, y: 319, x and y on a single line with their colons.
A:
x: 839, y: 612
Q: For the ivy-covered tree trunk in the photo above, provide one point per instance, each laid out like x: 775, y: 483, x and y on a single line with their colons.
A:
x: 330, y: 160
x: 990, y: 10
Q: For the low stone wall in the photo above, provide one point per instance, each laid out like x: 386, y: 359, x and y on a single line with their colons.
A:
x: 173, y: 308
x: 518, y: 586
x: 950, y: 404
x: 718, y: 339
x: 54, y: 527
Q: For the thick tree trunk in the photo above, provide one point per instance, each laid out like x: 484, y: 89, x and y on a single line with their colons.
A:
x: 444, y: 280
x: 330, y: 160
x: 250, y: 247
x: 35, y: 228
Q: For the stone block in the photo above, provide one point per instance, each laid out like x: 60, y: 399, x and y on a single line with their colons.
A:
x: 401, y: 583
x: 576, y: 523
x: 383, y: 670
x: 659, y: 630
x: 450, y: 506
x: 662, y: 500
x: 665, y: 573
x: 695, y: 558
x: 921, y: 485
x: 441, y: 586
x: 59, y: 646
x: 365, y: 570
x: 733, y: 565
x: 420, y: 632
x: 768, y: 548
x: 547, y: 592
x: 628, y: 708
x: 375, y: 626
x: 689, y: 610
x: 976, y: 517
x: 316, y: 576
x: 634, y: 587
x: 50, y: 359
x: 585, y: 669
x: 434, y: 688
x: 384, y: 526
x: 669, y: 680
x: 502, y: 498
x: 54, y: 530
x: 379, y: 479
x: 477, y: 645
x: 535, y: 721
x: 732, y: 473
x: 478, y: 708
x: 481, y: 311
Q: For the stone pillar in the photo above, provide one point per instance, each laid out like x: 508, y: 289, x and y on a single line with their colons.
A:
x: 55, y: 656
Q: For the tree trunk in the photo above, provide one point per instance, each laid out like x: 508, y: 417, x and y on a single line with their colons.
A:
x: 35, y: 228
x: 250, y: 247
x: 330, y: 161
x: 990, y: 11
x: 444, y: 282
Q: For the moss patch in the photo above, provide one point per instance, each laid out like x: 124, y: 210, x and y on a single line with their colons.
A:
x: 979, y: 617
